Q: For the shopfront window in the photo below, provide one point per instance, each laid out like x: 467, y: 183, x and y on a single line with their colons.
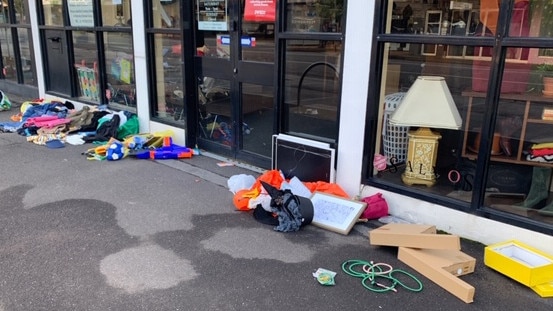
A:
x: 86, y: 65
x: 313, y: 68
x: 53, y: 12
x: 524, y: 154
x: 121, y: 87
x: 8, y: 55
x: 116, y: 13
x: 100, y: 47
x: 312, y: 92
x: 21, y: 12
x: 167, y: 62
x: 27, y: 63
x: 15, y: 35
x: 505, y: 135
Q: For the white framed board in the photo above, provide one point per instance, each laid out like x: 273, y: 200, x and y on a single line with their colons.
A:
x: 335, y: 213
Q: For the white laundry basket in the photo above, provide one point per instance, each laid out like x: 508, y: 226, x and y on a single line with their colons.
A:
x: 394, y: 138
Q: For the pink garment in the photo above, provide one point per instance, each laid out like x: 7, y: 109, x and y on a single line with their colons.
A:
x: 32, y: 121
x: 52, y: 123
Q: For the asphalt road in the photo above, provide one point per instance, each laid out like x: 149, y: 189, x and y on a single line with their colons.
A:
x: 164, y: 235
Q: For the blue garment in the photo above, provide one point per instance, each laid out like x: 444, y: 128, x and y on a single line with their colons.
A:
x: 10, y: 126
x: 50, y: 109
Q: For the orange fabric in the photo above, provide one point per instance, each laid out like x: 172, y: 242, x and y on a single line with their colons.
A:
x: 275, y: 179
x: 242, y: 198
x: 326, y: 187
x: 272, y: 177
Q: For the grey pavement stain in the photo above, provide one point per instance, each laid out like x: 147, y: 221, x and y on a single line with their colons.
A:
x: 144, y: 268
x: 253, y: 244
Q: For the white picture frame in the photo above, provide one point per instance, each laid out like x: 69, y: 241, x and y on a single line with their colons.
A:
x: 335, y: 213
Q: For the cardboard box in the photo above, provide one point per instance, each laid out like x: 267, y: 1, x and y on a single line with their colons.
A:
x: 443, y: 268
x: 412, y: 235
x: 520, y: 262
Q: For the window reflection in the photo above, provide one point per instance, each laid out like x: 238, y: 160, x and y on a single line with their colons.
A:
x: 312, y: 93
x: 169, y: 85
x: 116, y: 13
x: 21, y: 12
x: 169, y: 101
x: 8, y: 56
x: 53, y: 12
x: 315, y: 16
x: 27, y: 64
x: 121, y: 88
x: 86, y: 65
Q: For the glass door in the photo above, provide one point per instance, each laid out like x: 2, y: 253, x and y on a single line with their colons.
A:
x: 235, y: 52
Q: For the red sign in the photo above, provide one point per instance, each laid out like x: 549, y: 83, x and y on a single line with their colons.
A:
x: 260, y: 10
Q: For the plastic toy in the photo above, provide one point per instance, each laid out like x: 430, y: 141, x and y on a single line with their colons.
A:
x: 167, y: 151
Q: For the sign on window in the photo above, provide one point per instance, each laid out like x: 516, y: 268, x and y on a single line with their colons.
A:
x: 81, y: 13
x: 212, y: 15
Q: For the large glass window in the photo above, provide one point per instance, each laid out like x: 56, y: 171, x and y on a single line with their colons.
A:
x: 86, y: 65
x: 99, y: 75
x: 312, y: 68
x: 167, y: 62
x: 492, y: 158
x: 15, y: 39
x: 312, y: 92
x: 53, y: 12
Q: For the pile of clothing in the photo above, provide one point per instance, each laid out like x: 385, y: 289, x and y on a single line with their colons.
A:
x: 541, y: 153
x: 55, y: 123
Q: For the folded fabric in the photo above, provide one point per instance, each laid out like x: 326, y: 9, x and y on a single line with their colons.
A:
x: 541, y: 152
x: 544, y: 159
x: 542, y: 145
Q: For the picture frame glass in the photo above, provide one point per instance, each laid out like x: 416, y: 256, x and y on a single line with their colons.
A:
x: 335, y: 213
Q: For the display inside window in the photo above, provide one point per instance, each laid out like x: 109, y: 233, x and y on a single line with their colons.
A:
x: 514, y: 137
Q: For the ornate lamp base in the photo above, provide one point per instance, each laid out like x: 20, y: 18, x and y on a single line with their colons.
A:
x: 421, y: 157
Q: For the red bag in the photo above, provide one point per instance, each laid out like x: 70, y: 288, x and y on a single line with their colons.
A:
x: 376, y: 207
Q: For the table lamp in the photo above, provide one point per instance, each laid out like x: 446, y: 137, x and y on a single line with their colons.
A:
x: 427, y: 104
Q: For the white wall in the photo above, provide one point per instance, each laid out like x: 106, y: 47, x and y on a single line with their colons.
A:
x: 141, y: 66
x: 466, y: 225
x: 355, y: 85
x: 37, y: 51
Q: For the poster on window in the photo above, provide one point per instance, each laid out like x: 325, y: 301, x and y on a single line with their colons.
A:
x: 81, y: 13
x: 260, y: 11
x: 212, y: 15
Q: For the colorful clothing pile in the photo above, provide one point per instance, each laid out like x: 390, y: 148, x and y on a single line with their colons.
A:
x: 541, y: 153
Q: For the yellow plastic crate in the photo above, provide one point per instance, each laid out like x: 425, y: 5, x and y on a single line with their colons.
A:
x: 520, y: 262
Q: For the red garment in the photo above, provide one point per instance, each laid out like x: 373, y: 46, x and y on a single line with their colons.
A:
x: 541, y: 152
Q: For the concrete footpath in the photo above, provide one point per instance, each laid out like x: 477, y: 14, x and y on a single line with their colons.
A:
x: 150, y: 235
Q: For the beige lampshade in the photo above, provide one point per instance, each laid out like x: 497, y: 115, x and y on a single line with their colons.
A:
x: 428, y: 103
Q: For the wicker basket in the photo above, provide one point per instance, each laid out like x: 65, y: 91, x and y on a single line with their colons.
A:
x: 394, y: 138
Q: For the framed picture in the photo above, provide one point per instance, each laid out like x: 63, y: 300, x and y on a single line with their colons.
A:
x: 335, y: 213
